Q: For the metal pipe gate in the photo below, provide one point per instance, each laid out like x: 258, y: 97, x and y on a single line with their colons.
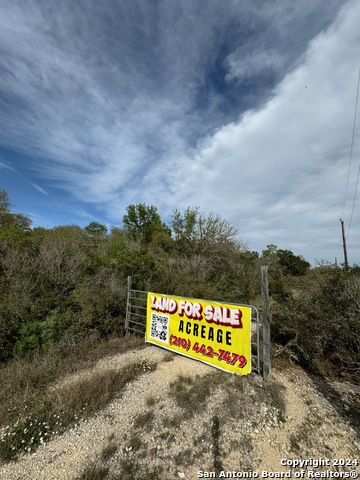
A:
x: 136, y: 321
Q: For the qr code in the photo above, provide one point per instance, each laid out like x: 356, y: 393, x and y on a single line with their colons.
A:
x: 159, y: 327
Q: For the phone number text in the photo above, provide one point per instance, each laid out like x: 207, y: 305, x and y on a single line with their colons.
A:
x: 230, y: 358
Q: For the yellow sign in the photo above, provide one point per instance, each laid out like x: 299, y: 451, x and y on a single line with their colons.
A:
x: 215, y: 333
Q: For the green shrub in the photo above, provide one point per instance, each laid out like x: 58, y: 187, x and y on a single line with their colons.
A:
x: 321, y: 323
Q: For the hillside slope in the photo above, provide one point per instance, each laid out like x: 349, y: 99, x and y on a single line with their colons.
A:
x: 185, y: 417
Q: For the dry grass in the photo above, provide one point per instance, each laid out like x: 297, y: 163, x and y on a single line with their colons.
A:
x: 189, y: 393
x: 34, y: 410
x: 95, y: 472
x: 22, y: 379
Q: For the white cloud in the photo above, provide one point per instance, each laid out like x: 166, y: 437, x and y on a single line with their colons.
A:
x: 122, y: 103
x: 279, y: 173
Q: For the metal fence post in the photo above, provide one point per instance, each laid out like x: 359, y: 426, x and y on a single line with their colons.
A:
x: 127, y: 306
x: 265, y: 324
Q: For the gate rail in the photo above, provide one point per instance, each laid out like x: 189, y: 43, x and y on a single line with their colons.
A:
x: 136, y: 312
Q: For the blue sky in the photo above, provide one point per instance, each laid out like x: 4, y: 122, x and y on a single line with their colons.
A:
x: 244, y: 108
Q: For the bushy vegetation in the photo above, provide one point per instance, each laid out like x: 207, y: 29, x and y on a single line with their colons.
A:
x: 316, y: 321
x: 64, y: 285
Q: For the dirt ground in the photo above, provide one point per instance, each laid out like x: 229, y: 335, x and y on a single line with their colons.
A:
x: 300, y: 423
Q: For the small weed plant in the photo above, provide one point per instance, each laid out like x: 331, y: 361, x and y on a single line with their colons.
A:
x: 191, y: 394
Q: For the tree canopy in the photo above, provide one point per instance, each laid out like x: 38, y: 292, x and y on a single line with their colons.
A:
x: 8, y: 219
x: 142, y: 222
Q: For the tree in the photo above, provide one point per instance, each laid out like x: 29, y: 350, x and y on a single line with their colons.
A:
x: 96, y: 233
x: 4, y: 202
x: 9, y: 219
x: 292, y: 264
x: 184, y: 225
x: 96, y: 229
x: 142, y: 222
x: 203, y: 233
x: 286, y: 260
x: 212, y: 229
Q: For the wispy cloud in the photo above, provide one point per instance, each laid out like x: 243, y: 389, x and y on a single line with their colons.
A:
x: 5, y: 166
x: 39, y: 189
x: 239, y: 108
